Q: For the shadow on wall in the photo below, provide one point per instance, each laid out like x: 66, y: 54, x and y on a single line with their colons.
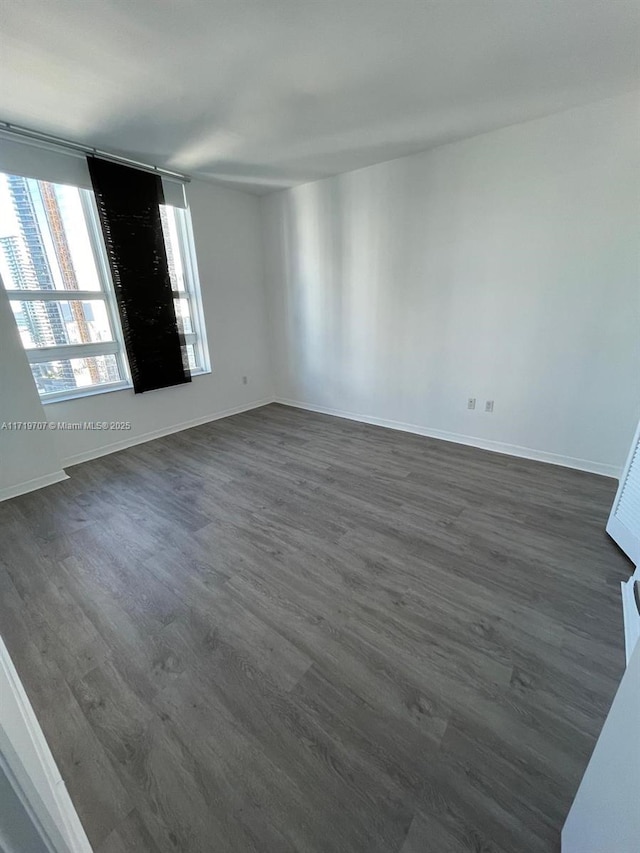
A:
x: 501, y: 268
x: 353, y: 332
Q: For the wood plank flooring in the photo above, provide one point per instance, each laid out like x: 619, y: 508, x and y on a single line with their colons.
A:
x: 289, y: 633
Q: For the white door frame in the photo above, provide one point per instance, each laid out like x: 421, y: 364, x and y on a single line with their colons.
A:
x: 29, y: 766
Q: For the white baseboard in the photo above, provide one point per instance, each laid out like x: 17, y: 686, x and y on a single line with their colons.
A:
x: 458, y: 438
x: 78, y: 458
x: 484, y: 444
x: 32, y: 485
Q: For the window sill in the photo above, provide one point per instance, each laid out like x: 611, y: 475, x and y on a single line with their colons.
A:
x: 64, y: 397
x: 107, y: 389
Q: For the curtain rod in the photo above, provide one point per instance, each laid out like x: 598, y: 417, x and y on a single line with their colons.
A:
x: 69, y: 145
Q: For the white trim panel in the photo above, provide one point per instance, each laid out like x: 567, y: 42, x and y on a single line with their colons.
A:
x: 33, y: 767
x: 625, y: 510
x: 173, y: 190
x: 631, y: 614
x: 64, y: 351
x: 39, y: 160
x: 54, y: 295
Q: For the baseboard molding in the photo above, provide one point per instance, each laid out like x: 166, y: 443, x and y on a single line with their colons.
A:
x: 483, y: 444
x: 95, y: 453
x: 32, y: 485
x: 458, y: 438
x: 31, y: 768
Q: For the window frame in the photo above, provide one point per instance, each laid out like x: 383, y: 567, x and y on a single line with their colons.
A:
x: 192, y: 292
x: 106, y: 295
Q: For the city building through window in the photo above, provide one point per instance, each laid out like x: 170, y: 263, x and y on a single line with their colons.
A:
x: 54, y: 267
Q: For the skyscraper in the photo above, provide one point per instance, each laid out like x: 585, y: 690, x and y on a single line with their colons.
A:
x: 46, y: 253
x: 34, y: 321
x: 46, y: 324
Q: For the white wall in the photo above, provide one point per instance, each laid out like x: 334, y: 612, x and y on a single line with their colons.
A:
x: 226, y: 226
x: 605, y: 815
x: 502, y: 267
x: 28, y: 459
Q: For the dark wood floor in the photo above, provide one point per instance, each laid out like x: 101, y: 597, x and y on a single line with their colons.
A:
x: 289, y: 633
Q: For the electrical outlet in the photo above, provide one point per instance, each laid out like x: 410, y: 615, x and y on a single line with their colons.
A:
x: 244, y: 380
x: 471, y: 403
x: 488, y: 406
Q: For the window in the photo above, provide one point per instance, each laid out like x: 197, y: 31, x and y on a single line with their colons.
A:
x: 180, y: 254
x: 55, y: 270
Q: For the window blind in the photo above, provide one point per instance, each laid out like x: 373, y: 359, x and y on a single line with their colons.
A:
x: 128, y: 202
x: 40, y: 161
x: 32, y: 158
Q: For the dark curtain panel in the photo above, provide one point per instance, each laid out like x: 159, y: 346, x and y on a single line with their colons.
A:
x: 128, y: 202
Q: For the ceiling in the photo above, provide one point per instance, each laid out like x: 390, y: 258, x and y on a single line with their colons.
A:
x: 270, y: 93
